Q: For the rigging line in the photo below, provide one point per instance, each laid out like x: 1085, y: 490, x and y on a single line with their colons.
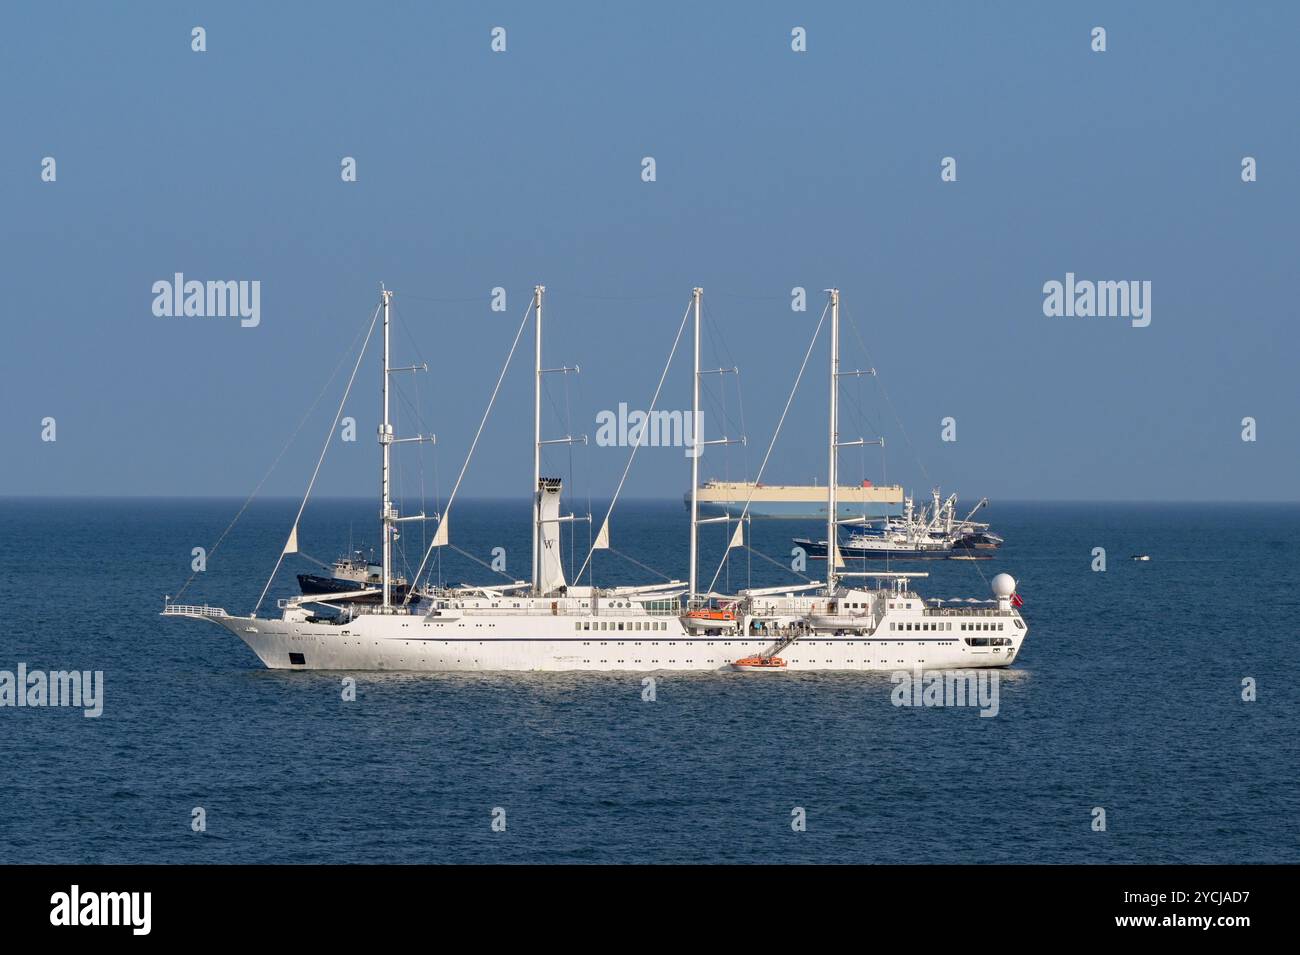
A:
x: 429, y: 298
x: 422, y: 427
x: 473, y: 444
x: 318, y: 563
x: 641, y: 434
x: 423, y: 506
x: 406, y: 330
x: 397, y: 471
x: 419, y: 417
x: 586, y: 474
x: 550, y: 397
x: 437, y: 504
x: 720, y: 400
x: 773, y: 560
x: 657, y: 573
x: 720, y: 343
x: 775, y: 434
x: 715, y: 403
x: 274, y: 464
x: 568, y: 427
x: 329, y: 436
x: 465, y: 553
x: 751, y: 298
x: 906, y: 440
x: 885, y: 394
x: 858, y: 410
x: 622, y: 298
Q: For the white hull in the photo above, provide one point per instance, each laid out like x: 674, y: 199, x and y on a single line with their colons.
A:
x: 411, y: 643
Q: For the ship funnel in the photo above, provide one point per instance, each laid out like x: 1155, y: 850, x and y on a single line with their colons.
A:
x: 550, y: 570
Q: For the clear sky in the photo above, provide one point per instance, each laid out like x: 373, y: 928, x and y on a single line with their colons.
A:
x: 774, y: 169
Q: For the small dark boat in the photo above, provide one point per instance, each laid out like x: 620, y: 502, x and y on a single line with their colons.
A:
x: 354, y: 572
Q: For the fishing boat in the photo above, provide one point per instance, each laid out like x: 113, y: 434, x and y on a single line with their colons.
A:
x: 552, y: 623
x: 927, y: 533
x: 353, y: 572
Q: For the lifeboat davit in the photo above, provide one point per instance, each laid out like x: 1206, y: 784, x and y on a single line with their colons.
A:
x: 708, y: 618
x: 720, y: 615
x: 759, y: 663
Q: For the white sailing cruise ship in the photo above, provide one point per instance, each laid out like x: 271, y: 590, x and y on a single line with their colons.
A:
x: 549, y: 624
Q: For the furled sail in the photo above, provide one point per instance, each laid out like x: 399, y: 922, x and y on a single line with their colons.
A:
x: 550, y: 571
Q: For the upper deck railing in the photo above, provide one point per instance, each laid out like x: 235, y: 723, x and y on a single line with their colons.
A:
x: 966, y: 612
x: 193, y: 610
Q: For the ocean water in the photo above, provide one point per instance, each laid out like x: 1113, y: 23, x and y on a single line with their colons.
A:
x: 1127, y: 696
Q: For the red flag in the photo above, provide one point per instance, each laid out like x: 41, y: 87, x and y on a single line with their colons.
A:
x: 1016, y: 601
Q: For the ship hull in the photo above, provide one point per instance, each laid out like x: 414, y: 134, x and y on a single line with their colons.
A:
x: 794, y: 510
x: 817, y: 551
x: 411, y: 643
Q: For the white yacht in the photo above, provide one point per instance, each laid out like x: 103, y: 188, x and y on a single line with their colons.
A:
x: 550, y: 624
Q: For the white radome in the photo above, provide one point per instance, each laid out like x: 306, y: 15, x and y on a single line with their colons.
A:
x: 1004, y: 585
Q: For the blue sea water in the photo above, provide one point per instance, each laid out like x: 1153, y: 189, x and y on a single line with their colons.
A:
x: 1127, y: 696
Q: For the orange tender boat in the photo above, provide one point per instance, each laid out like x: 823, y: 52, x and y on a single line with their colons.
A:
x: 759, y: 663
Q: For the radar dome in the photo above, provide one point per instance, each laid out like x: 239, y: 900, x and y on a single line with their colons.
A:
x: 1004, y: 585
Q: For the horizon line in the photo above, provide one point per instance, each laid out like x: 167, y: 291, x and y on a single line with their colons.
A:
x: 522, y: 499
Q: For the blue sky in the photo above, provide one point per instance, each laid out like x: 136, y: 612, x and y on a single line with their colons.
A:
x: 775, y: 169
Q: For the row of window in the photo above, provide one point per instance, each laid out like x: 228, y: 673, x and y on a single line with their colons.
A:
x: 631, y: 625
x: 943, y: 625
x: 987, y: 641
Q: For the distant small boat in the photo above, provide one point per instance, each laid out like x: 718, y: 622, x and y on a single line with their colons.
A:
x: 1140, y: 557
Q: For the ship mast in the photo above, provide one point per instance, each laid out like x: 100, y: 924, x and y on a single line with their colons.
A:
x: 539, y: 521
x: 695, y: 453
x: 833, y: 560
x: 697, y: 446
x: 537, y: 437
x: 385, y: 445
x: 388, y: 518
x: 832, y: 536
